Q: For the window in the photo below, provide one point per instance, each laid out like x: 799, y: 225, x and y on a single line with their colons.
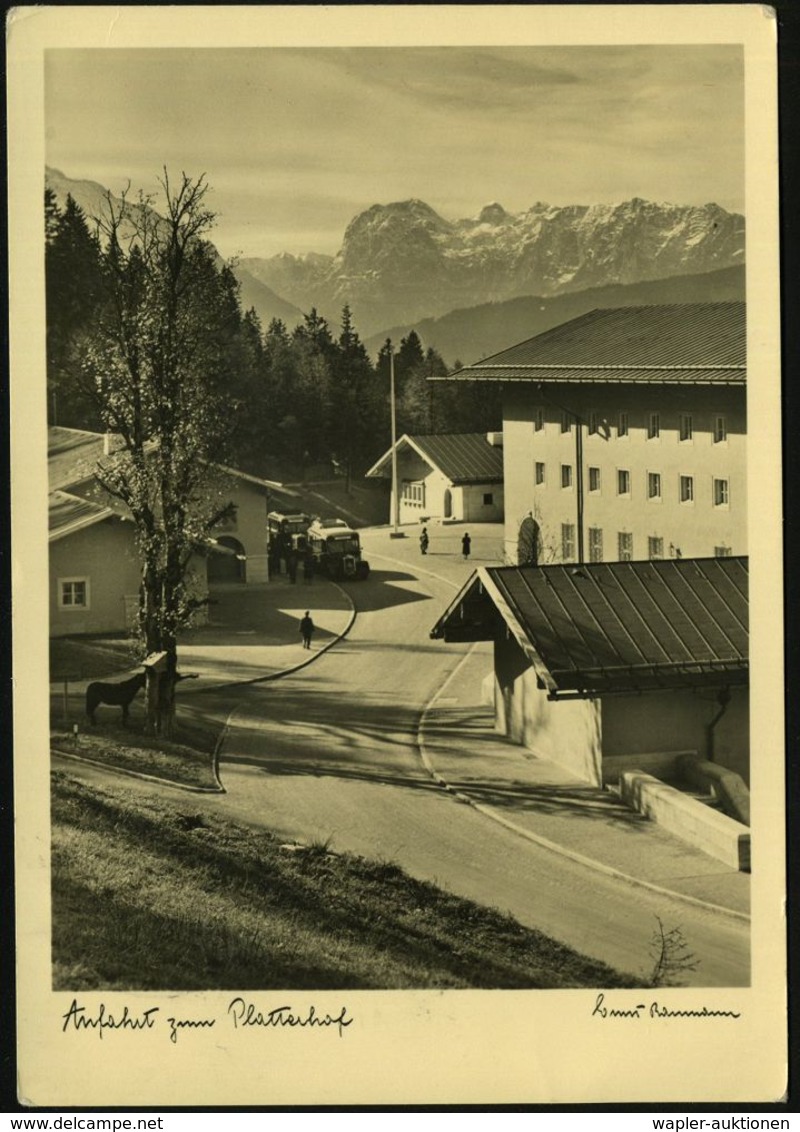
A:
x: 594, y: 479
x: 624, y: 546
x: 622, y: 425
x: 73, y: 593
x: 687, y: 489
x: 488, y: 499
x: 653, y: 426
x: 567, y: 541
x: 413, y: 492
x: 566, y: 475
x: 593, y: 423
x: 685, y: 427
x: 538, y: 420
x: 539, y: 472
x: 623, y: 481
x: 595, y: 544
x: 566, y: 422
x: 722, y: 552
x: 720, y: 430
x: 654, y: 485
x: 655, y: 547
x: 721, y: 493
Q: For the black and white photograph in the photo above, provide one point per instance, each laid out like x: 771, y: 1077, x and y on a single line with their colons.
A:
x: 396, y: 496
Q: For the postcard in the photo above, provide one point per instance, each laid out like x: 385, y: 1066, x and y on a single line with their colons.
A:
x: 397, y: 530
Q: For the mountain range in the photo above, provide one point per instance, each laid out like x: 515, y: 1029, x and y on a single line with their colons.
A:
x: 465, y: 285
x: 403, y: 262
x: 473, y: 333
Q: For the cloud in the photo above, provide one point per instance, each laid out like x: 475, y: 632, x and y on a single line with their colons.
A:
x: 303, y: 138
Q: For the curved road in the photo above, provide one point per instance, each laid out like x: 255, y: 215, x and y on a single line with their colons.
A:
x: 329, y: 755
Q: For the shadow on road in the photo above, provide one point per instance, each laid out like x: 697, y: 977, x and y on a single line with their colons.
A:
x: 385, y: 589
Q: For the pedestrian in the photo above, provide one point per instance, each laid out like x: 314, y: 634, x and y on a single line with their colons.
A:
x: 466, y: 546
x: 291, y: 566
x: 308, y: 567
x: 307, y: 629
x: 423, y: 540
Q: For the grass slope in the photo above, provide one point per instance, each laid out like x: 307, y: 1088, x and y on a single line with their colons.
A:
x: 150, y: 894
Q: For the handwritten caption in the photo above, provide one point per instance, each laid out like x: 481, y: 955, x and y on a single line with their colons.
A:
x: 240, y: 1015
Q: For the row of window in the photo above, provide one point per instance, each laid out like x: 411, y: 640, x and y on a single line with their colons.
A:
x: 655, y: 545
x: 413, y: 492
x: 720, y: 488
x: 599, y: 424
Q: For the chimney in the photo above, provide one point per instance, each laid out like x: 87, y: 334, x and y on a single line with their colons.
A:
x: 495, y: 439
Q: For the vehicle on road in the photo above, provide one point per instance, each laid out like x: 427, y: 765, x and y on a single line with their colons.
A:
x: 286, y: 533
x: 337, y: 550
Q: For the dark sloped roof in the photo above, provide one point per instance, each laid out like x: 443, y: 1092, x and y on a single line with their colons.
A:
x: 465, y: 457
x: 73, y: 453
x: 623, y: 625
x: 67, y: 514
x: 684, y: 342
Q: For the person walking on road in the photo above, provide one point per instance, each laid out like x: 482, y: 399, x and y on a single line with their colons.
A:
x: 466, y: 546
x: 307, y: 629
x: 423, y: 540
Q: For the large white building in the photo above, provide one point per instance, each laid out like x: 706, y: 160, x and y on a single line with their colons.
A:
x: 624, y: 435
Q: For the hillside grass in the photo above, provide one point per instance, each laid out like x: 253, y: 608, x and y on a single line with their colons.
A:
x: 154, y: 894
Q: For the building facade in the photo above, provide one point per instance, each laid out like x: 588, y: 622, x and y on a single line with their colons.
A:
x: 625, y: 436
x: 452, y: 477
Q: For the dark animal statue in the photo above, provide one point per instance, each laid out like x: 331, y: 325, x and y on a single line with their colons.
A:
x: 117, y: 695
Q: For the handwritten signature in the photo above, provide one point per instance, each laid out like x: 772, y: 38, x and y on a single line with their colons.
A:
x: 655, y: 1010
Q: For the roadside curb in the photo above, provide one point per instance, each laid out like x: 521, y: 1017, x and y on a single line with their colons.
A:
x: 220, y: 789
x: 537, y: 839
x: 281, y: 672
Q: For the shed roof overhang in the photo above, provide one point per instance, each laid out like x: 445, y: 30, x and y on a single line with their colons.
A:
x: 481, y: 611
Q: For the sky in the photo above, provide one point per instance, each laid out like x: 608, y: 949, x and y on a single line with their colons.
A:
x: 294, y: 142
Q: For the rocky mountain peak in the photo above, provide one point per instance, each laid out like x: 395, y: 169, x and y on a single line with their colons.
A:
x: 493, y: 213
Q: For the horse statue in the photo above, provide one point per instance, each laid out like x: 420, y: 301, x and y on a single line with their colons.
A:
x: 116, y: 695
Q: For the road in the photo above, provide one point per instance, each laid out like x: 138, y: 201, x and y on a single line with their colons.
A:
x: 329, y: 755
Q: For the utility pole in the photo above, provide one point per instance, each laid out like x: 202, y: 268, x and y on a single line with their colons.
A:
x: 395, y: 495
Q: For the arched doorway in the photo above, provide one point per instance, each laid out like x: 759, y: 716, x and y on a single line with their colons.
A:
x: 528, y: 543
x: 448, y: 503
x: 228, y: 566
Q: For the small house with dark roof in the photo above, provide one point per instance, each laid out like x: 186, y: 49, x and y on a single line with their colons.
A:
x: 456, y: 477
x: 607, y: 667
x: 624, y: 435
x: 94, y: 564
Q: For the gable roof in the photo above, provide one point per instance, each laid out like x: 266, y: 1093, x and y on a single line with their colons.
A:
x: 73, y: 455
x: 683, y: 342
x: 618, y: 626
x: 67, y: 514
x: 463, y: 458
